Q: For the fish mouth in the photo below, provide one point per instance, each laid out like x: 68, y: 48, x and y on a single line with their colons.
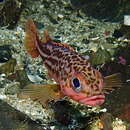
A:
x: 93, y: 100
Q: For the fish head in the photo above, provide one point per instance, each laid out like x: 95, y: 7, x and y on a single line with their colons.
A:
x: 85, y: 87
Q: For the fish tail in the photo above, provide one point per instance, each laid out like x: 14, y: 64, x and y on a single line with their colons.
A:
x: 31, y: 39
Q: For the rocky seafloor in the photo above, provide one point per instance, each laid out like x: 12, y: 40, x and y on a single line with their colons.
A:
x: 107, y: 44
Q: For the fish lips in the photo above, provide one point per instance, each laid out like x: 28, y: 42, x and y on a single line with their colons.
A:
x: 82, y: 98
x: 93, y: 100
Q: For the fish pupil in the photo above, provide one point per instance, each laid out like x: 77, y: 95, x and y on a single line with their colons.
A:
x: 76, y: 83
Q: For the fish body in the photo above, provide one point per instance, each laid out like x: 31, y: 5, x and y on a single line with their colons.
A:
x: 71, y: 71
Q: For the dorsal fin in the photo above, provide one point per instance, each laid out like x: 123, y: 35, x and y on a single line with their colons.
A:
x: 47, y: 37
x: 31, y: 39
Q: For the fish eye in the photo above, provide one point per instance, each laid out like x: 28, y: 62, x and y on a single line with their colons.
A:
x: 76, y: 84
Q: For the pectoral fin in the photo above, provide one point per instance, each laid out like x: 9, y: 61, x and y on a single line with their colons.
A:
x: 41, y: 93
x: 112, y: 82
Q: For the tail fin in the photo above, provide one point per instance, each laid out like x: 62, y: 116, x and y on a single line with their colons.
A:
x: 31, y: 39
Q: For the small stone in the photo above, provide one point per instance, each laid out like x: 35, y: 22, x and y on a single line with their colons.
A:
x: 34, y: 78
x: 103, y: 110
x: 8, y: 67
x: 86, y: 41
x: 5, y: 53
x: 127, y: 20
x: 60, y: 16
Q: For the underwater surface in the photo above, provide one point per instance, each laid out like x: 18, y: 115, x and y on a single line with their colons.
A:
x: 96, y: 30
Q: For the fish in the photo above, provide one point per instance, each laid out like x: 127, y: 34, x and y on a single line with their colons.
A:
x: 74, y: 75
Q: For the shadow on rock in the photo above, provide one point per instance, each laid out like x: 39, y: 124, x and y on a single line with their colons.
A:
x: 103, y: 9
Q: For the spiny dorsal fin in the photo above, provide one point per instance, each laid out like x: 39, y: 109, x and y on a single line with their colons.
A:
x: 31, y: 39
x: 47, y: 37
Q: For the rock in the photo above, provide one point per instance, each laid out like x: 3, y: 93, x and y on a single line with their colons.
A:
x: 10, y: 118
x: 125, y: 113
x: 117, y: 33
x: 62, y: 114
x: 5, y: 53
x: 34, y: 78
x: 106, y: 120
x: 13, y: 119
x: 119, y: 125
x: 109, y: 10
x: 10, y: 12
x: 21, y: 77
x: 12, y: 89
x: 8, y: 67
x: 124, y: 30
